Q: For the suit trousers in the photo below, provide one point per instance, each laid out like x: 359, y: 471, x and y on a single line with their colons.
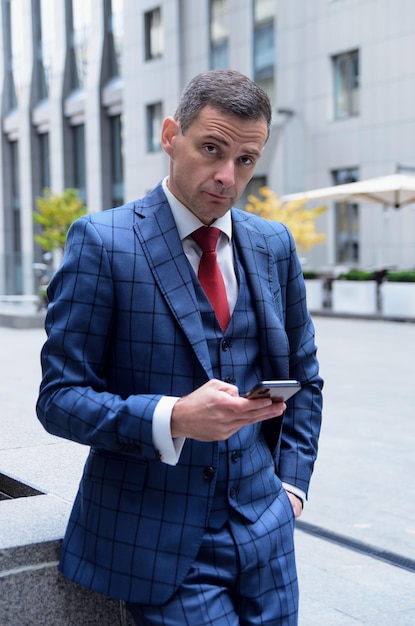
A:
x: 243, y: 575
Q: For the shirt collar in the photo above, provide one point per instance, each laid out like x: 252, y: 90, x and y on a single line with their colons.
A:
x: 187, y: 222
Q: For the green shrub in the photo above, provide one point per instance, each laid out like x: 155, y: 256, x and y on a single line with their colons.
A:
x: 357, y: 275
x: 401, y: 276
x: 310, y: 275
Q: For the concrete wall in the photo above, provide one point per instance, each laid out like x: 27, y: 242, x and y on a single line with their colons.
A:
x: 34, y: 593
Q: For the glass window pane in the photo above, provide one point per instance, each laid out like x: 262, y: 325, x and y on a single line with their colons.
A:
x: 154, y: 38
x: 78, y: 133
x: 340, y: 88
x: 81, y: 22
x: 15, y: 177
x: 264, y: 46
x: 17, y: 43
x: 117, y: 171
x: 347, y: 233
x: 219, y: 57
x: 116, y: 34
x: 219, y: 34
x: 44, y: 161
x: 154, y: 122
x: 264, y: 50
x: 45, y: 45
x: 218, y: 20
x: 10, y: 91
x: 347, y: 222
x: 346, y: 84
x: 354, y: 83
x: 252, y: 188
x: 13, y: 239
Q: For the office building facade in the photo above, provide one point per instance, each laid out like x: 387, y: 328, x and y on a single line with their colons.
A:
x: 85, y: 85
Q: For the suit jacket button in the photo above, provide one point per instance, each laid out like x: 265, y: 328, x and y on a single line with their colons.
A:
x: 208, y: 473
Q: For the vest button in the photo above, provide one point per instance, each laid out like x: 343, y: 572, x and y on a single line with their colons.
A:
x: 230, y: 380
x: 225, y: 345
x: 235, y: 456
x: 208, y: 473
x: 233, y: 492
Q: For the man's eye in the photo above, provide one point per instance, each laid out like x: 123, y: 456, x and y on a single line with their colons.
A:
x: 247, y: 160
x: 211, y: 149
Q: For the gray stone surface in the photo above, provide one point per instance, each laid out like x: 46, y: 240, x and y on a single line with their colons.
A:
x: 362, y: 486
x: 22, y: 315
x: 343, y: 588
x: 32, y: 520
x: 34, y: 593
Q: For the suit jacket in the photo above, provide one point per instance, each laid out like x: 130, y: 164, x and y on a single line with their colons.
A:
x: 124, y: 329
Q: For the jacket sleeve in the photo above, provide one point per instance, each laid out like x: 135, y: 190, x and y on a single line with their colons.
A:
x: 302, y: 419
x: 74, y: 401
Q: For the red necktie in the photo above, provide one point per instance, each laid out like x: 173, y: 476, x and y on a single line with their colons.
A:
x: 210, y: 275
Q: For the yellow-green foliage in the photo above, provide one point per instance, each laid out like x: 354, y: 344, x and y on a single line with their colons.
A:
x: 299, y: 219
x: 55, y: 213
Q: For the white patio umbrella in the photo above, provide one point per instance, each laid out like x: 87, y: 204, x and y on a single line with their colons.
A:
x: 395, y: 190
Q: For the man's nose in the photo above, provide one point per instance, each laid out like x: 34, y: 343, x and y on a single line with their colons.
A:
x: 225, y: 173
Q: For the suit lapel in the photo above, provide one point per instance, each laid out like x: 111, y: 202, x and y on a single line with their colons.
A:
x: 161, y: 244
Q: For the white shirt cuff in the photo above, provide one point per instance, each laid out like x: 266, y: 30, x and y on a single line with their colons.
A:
x: 297, y: 492
x: 168, y: 448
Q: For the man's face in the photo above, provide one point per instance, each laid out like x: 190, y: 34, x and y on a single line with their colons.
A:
x: 212, y: 163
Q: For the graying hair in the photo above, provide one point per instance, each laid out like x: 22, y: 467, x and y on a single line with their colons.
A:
x: 227, y: 91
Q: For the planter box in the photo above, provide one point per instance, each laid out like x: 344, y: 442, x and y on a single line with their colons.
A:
x: 398, y: 299
x: 353, y: 296
x: 315, y: 293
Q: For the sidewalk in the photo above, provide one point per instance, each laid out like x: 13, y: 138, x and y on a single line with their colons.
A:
x: 362, y: 486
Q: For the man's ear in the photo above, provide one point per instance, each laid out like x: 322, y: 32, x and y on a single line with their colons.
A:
x: 169, y: 130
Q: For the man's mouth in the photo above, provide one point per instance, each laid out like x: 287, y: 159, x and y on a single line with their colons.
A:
x: 218, y: 196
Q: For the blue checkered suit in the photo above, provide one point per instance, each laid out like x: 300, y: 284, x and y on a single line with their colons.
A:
x: 124, y: 329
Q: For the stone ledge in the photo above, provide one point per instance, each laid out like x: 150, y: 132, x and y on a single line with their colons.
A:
x: 22, y: 320
x: 34, y: 592
x: 33, y: 520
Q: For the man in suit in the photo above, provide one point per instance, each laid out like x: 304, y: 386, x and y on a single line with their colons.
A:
x: 187, y: 502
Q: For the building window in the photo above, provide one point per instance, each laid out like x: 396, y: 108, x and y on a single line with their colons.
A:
x: 44, y: 161
x: 117, y: 168
x: 10, y: 91
x: 346, y: 84
x: 79, y: 171
x: 13, y: 237
x: 153, y: 34
x: 13, y: 46
x: 347, y: 221
x: 114, y: 10
x: 219, y: 34
x: 154, y: 122
x: 264, y: 45
x: 80, y: 32
x: 252, y: 188
x: 43, y: 15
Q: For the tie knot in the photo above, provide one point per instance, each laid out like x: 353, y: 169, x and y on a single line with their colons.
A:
x: 207, y: 237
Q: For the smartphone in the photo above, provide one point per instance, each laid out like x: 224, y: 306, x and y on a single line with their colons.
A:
x: 277, y: 390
